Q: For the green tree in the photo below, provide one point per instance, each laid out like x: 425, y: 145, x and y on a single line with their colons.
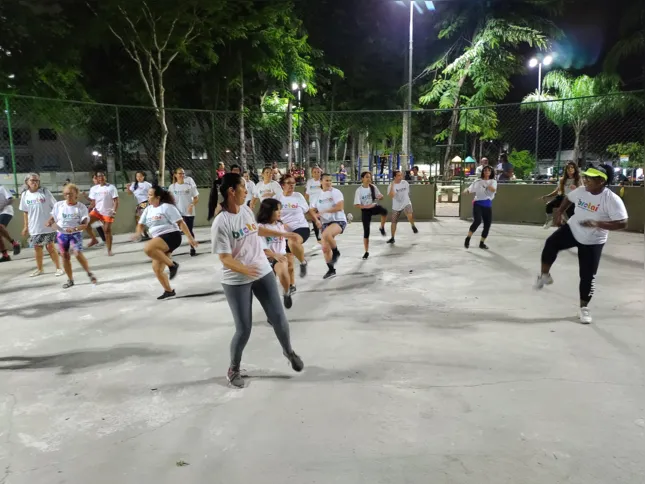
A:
x: 576, y: 101
x: 483, y: 53
x: 523, y: 162
x: 634, y: 150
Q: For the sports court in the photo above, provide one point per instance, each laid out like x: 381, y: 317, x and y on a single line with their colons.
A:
x: 426, y: 363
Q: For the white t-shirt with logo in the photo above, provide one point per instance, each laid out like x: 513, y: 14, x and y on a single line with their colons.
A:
x: 401, y: 195
x: 161, y: 219
x: 184, y: 194
x: 5, y: 196
x: 263, y: 189
x: 604, y: 207
x: 277, y: 245
x: 481, y: 191
x: 237, y: 234
x: 39, y: 206
x: 103, y: 197
x: 69, y: 216
x: 313, y: 189
x: 250, y: 191
x: 294, y: 208
x: 141, y: 192
x: 569, y: 186
x: 326, y: 200
x: 363, y: 196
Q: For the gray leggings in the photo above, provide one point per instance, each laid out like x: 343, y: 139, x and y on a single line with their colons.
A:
x: 240, y: 300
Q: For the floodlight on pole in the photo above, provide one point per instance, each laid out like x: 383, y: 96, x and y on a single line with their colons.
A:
x: 534, y: 62
x: 547, y: 60
x: 294, y: 86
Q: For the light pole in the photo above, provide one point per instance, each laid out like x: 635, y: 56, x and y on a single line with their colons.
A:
x: 407, y: 133
x: 297, y: 87
x: 546, y: 61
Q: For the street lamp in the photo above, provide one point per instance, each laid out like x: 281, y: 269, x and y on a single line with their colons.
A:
x: 533, y: 63
x: 414, y: 4
x: 296, y: 87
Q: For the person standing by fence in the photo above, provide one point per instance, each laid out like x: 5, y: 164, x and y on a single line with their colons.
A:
x: 6, y: 214
x: 568, y: 183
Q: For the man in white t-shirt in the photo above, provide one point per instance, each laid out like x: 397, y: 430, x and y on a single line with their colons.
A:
x: 104, y: 204
x: 6, y: 214
x: 598, y: 211
x: 482, y: 164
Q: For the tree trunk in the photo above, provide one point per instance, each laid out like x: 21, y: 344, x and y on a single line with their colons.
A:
x: 454, y: 126
x: 576, y: 146
x: 242, y: 127
x: 345, y: 149
x: 290, y: 131
x: 253, y: 150
x: 305, y: 148
x: 353, y: 156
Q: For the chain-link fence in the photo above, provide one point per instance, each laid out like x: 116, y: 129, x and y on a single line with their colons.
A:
x: 65, y: 140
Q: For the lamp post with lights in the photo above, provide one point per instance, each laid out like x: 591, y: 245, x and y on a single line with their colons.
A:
x: 296, y: 87
x: 535, y: 62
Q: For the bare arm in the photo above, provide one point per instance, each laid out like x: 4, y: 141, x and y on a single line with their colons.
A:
x: 611, y: 225
x: 272, y: 255
x: 184, y: 228
x: 339, y: 207
x: 116, y: 205
x: 264, y: 232
x: 230, y: 263
x: 25, y: 218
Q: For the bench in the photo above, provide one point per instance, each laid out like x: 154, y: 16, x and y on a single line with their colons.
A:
x: 451, y: 192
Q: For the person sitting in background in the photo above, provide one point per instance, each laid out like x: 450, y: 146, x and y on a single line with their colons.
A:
x: 482, y: 164
x: 506, y: 168
x: 342, y: 174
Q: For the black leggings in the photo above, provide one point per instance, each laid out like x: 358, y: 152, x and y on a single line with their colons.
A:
x: 190, y: 221
x: 366, y: 217
x: 481, y: 213
x: 556, y: 202
x: 588, y: 258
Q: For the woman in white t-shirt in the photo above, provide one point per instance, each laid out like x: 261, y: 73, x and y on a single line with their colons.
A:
x: 165, y: 225
x: 36, y: 204
x: 139, y: 190
x: 6, y: 214
x: 275, y: 248
x: 246, y: 271
x: 399, y: 192
x: 598, y: 210
x: 312, y: 190
x: 70, y: 218
x: 266, y: 188
x: 186, y: 197
x: 103, y: 207
x: 484, y: 190
x: 568, y: 183
x: 366, y: 198
x: 330, y: 217
x: 294, y: 210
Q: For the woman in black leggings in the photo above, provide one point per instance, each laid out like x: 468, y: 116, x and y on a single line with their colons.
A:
x: 484, y: 190
x: 568, y: 183
x: 366, y: 198
x: 597, y: 211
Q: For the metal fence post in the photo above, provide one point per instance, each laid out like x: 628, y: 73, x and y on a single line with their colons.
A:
x: 12, y: 150
x: 214, y: 150
x: 119, y: 148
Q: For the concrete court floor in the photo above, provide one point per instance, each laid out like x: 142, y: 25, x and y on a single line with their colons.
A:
x: 426, y: 364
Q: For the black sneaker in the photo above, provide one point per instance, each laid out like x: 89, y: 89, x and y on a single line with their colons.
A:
x: 335, y: 256
x: 5, y: 258
x: 483, y: 246
x: 303, y: 269
x: 173, y: 270
x: 415, y: 229
x: 330, y: 273
x: 167, y: 295
x: 391, y: 241
x: 68, y: 284
x: 292, y: 289
x: 382, y: 230
x: 16, y: 248
x: 234, y: 377
x: 295, y: 360
x: 93, y: 279
x: 366, y: 255
x: 467, y: 243
x: 288, y: 302
x: 193, y: 252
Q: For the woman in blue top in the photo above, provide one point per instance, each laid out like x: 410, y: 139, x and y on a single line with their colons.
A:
x: 484, y: 190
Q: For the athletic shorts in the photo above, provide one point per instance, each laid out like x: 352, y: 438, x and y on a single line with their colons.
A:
x: 172, y: 239
x: 303, y: 232
x: 342, y: 226
x: 140, y: 208
x: 103, y: 218
x: 5, y: 218
x: 397, y: 213
x: 67, y: 242
x: 42, y: 240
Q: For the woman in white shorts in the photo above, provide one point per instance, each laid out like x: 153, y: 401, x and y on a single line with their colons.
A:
x: 399, y: 192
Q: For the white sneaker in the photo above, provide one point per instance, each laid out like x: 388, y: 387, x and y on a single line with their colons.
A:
x: 542, y: 280
x: 60, y: 272
x: 585, y: 316
x: 548, y: 223
x: 36, y: 273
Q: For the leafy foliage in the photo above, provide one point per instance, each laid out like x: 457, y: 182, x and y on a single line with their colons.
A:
x: 635, y: 151
x: 523, y: 162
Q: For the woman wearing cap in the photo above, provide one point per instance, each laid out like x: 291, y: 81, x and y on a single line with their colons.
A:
x: 568, y: 183
x: 597, y: 211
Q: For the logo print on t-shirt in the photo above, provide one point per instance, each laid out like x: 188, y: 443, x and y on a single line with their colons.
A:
x: 248, y: 229
x: 291, y: 206
x: 589, y: 207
